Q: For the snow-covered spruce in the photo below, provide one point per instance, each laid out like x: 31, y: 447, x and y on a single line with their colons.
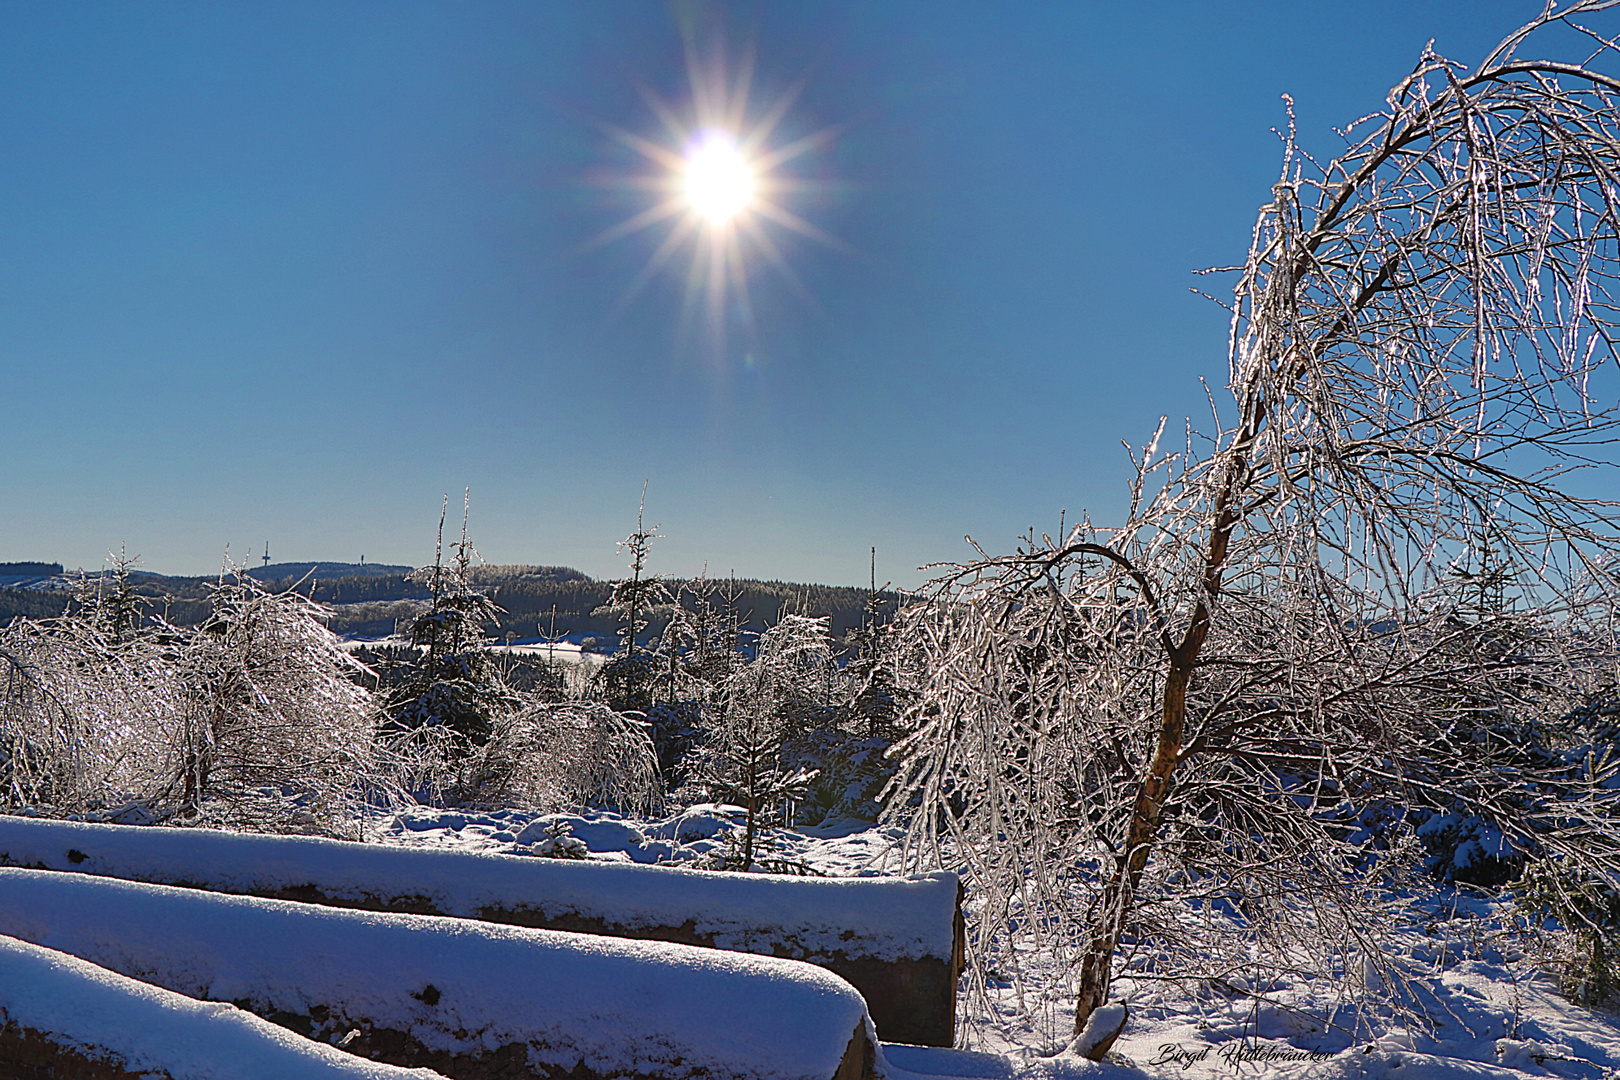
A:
x: 68, y: 1017
x: 896, y: 939
x: 458, y: 996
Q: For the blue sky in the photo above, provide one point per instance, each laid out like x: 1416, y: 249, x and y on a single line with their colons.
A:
x: 294, y: 271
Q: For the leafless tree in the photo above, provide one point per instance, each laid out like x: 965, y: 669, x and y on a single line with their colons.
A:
x: 1378, y: 561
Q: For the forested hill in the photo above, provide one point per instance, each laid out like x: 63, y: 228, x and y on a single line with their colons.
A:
x: 296, y: 570
x: 368, y: 600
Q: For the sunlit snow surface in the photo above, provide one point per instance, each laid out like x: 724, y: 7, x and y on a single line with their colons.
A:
x: 1492, y: 1014
x: 688, y: 838
x: 106, y: 1016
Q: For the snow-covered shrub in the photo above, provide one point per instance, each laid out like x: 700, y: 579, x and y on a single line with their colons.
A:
x: 560, y: 843
x: 273, y: 704
x: 88, y: 724
x: 625, y: 681
x: 850, y: 772
x: 1465, y: 847
x: 252, y: 719
x: 1585, y: 909
x: 536, y: 677
x: 554, y: 755
x: 1566, y: 887
x: 677, y: 729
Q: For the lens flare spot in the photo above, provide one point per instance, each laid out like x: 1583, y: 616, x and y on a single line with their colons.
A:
x: 719, y: 179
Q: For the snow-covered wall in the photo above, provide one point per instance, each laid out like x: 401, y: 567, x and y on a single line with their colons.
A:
x: 63, y: 1016
x: 898, y: 940
x: 462, y: 997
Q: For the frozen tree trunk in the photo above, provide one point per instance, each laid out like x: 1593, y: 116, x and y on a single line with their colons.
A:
x: 1148, y: 808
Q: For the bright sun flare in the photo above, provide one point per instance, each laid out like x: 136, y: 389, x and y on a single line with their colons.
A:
x: 719, y: 180
x: 723, y: 184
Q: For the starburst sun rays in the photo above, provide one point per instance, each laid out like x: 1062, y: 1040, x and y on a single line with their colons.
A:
x: 720, y: 183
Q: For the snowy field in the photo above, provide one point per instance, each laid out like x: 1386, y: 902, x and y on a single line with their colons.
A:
x: 553, y: 652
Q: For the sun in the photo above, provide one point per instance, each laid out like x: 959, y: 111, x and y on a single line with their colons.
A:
x: 719, y: 180
x: 722, y: 181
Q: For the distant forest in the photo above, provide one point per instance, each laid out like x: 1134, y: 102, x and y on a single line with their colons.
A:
x: 537, y: 601
x: 29, y: 569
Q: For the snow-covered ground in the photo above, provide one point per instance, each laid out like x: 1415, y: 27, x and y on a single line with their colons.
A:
x: 690, y: 837
x: 1489, y: 1011
x: 554, y: 652
x: 1479, y: 1008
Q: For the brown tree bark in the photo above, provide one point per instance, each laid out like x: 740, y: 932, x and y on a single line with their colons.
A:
x: 1147, y: 812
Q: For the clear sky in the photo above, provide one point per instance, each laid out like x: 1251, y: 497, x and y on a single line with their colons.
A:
x: 293, y: 271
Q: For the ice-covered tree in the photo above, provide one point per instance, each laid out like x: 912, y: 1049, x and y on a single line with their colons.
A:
x: 565, y: 755
x: 763, y: 703
x: 108, y: 601
x: 252, y: 719
x: 872, y: 664
x: 697, y: 653
x: 627, y: 679
x: 453, y: 693
x: 273, y: 709
x: 86, y: 722
x: 1162, y: 743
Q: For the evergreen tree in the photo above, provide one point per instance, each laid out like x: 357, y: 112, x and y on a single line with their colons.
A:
x: 764, y: 703
x: 627, y: 679
x: 453, y: 684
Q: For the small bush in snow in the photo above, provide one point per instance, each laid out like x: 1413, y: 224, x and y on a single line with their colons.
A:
x: 552, y: 755
x: 560, y: 843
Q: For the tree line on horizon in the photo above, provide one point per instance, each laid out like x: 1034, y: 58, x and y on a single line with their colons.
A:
x: 253, y: 714
x: 534, y: 601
